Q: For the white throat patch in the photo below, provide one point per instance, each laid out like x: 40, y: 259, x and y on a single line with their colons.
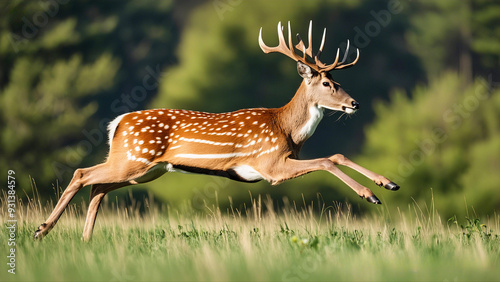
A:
x: 315, y: 116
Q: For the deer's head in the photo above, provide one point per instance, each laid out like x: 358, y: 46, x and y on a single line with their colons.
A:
x: 319, y: 85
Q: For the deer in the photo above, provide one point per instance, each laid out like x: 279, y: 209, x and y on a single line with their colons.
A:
x: 247, y: 145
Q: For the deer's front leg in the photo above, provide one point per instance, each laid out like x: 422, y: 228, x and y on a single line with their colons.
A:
x: 293, y: 168
x: 377, y: 178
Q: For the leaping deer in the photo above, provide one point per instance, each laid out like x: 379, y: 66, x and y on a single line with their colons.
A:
x: 247, y: 145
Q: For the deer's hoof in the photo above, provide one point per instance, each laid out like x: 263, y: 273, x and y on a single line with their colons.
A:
x: 39, y: 233
x: 391, y: 186
x: 374, y: 200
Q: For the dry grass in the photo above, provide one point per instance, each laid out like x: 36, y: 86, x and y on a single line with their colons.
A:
x: 255, y: 243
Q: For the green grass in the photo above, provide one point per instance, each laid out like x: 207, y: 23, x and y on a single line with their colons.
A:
x: 251, y: 244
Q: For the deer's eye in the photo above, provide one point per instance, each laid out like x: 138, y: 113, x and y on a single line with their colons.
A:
x: 326, y: 84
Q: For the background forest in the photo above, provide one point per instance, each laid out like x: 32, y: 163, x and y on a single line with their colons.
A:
x: 427, y: 82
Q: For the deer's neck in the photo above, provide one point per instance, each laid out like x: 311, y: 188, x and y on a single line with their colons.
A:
x: 300, y: 117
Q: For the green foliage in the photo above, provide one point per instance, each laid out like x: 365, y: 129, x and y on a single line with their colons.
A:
x: 60, y: 60
x: 439, y: 33
x: 446, y: 136
x: 43, y: 109
x: 475, y: 227
x: 485, y: 23
x: 180, y: 247
x: 460, y: 35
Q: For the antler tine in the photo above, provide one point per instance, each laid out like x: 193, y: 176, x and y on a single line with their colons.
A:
x: 288, y: 50
x: 322, y: 42
x: 346, y: 52
x: 281, y: 48
x: 301, y: 46
x: 316, y: 58
x: 304, y: 50
x: 350, y: 64
x: 327, y: 68
x: 266, y: 49
x: 308, y: 51
x: 290, y: 43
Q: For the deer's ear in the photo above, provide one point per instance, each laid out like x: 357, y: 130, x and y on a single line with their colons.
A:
x: 305, y: 71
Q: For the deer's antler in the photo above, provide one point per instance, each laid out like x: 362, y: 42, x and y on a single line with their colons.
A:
x: 290, y: 50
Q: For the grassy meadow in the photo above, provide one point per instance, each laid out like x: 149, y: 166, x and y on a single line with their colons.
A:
x: 255, y: 243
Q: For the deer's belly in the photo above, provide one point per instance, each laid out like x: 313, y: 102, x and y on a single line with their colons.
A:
x: 248, y: 173
x: 243, y: 173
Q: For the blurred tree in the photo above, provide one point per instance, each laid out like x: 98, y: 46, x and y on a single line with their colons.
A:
x: 456, y: 35
x: 486, y: 36
x: 445, y: 137
x: 60, y: 61
x: 42, y: 111
x: 44, y: 99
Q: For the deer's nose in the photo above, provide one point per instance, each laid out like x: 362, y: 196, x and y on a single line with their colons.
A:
x: 355, y: 105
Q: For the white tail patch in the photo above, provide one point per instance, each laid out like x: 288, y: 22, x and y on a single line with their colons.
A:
x: 112, y: 128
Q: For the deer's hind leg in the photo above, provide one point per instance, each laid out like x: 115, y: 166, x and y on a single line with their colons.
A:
x: 81, y: 178
x: 98, y: 191
x: 112, y: 172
